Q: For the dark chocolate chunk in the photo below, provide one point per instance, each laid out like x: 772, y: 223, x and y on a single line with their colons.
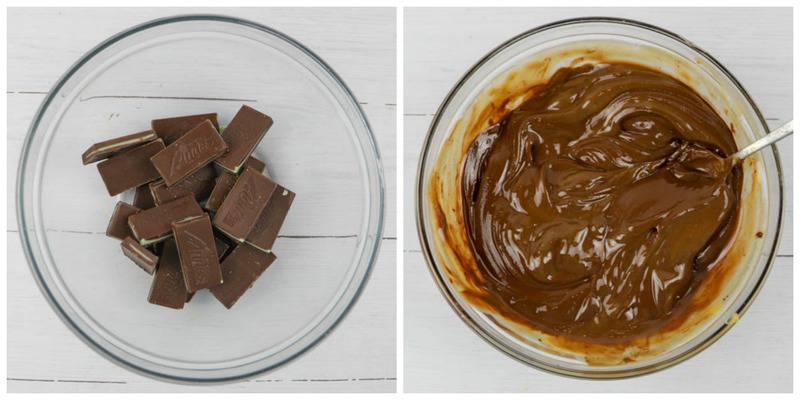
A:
x: 192, y: 151
x: 171, y: 129
x: 255, y: 164
x: 242, y: 135
x: 153, y: 225
x: 271, y: 219
x: 168, y: 289
x: 109, y: 148
x: 199, y: 184
x: 240, y: 269
x: 142, y: 198
x: 131, y: 168
x: 142, y: 257
x: 198, y: 253
x: 222, y: 186
x: 118, y: 224
x: 224, y: 183
x: 241, y: 208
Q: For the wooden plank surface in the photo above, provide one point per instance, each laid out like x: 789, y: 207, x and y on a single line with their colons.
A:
x: 441, y: 353
x: 360, y: 45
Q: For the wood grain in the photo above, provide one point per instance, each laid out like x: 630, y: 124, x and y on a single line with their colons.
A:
x: 359, y: 44
x: 442, y: 354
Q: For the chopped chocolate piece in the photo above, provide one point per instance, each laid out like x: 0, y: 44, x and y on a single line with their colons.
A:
x: 269, y: 223
x: 142, y: 198
x: 242, y: 135
x: 130, y: 169
x: 223, y: 185
x: 168, y: 289
x: 153, y: 225
x: 198, y: 184
x: 118, y: 224
x: 240, y: 270
x: 198, y: 253
x: 189, y: 296
x: 142, y: 257
x: 243, y: 205
x: 221, y: 246
x: 171, y: 129
x: 255, y: 164
x: 109, y: 148
x: 192, y: 151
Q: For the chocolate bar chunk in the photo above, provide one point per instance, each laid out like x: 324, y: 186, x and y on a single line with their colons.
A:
x: 142, y: 257
x: 221, y: 247
x: 271, y: 219
x: 241, y: 208
x: 154, y: 225
x: 192, y: 151
x: 224, y: 183
x: 255, y: 164
x: 198, y: 184
x: 118, y: 224
x: 222, y: 186
x: 198, y: 253
x: 242, y: 135
x: 108, y: 148
x: 131, y: 168
x: 142, y: 198
x: 239, y: 271
x: 168, y: 289
x: 171, y: 129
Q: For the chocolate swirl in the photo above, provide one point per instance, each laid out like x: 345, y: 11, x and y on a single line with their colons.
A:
x: 598, y: 205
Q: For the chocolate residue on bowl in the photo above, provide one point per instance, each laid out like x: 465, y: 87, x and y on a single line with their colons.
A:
x: 599, y: 205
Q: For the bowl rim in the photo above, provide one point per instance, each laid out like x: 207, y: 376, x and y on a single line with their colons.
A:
x: 370, y: 252
x: 440, y: 279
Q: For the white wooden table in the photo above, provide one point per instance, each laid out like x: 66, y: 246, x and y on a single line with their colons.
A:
x: 43, y: 355
x: 442, y: 354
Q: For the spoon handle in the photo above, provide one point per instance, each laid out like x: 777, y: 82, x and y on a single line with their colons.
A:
x: 765, y: 141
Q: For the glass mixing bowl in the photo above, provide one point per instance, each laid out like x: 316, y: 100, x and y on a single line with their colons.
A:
x: 531, y: 58
x: 320, y: 146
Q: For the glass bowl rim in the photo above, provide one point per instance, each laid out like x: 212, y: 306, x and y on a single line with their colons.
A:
x: 371, y: 251
x: 439, y: 278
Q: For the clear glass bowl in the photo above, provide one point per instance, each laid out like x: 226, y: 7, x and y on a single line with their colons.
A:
x: 547, y: 48
x: 321, y: 146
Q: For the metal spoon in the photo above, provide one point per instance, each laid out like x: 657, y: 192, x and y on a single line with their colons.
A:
x: 765, y: 141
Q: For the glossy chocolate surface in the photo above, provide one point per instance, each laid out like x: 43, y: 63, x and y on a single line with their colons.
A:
x: 598, y: 205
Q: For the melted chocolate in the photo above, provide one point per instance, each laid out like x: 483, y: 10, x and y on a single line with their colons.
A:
x: 598, y: 205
